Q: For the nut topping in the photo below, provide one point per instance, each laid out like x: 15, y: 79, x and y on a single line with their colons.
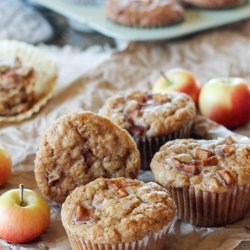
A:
x: 190, y: 168
x: 84, y: 214
x: 227, y: 175
x: 203, y: 154
x: 211, y: 161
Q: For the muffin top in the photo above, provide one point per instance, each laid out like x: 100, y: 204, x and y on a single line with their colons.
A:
x: 144, y: 13
x: 142, y: 5
x: 209, y: 165
x: 17, y: 87
x: 117, y: 210
x: 79, y: 148
x: 148, y: 114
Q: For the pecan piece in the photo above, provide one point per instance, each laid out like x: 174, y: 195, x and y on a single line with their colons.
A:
x: 227, y: 175
x: 190, y: 168
x: 203, y: 154
x: 84, y: 214
x: 211, y: 161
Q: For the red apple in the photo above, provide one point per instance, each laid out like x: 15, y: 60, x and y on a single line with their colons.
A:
x: 178, y: 79
x: 24, y: 215
x: 5, y: 166
x: 226, y: 101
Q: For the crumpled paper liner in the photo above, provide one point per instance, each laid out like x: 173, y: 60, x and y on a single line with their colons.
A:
x: 150, y: 241
x: 148, y: 146
x: 207, y: 209
x: 45, y: 74
x: 87, y: 78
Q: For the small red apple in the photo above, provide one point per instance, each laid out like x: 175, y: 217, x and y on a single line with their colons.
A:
x: 5, y: 166
x: 226, y: 101
x: 178, y: 79
x: 24, y: 215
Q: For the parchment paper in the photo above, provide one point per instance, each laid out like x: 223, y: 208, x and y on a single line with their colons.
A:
x: 87, y: 78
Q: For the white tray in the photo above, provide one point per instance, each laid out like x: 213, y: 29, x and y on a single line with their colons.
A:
x: 195, y: 20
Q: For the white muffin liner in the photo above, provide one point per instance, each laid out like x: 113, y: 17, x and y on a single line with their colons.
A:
x: 211, y: 209
x: 45, y: 74
x: 148, y: 146
x: 151, y: 241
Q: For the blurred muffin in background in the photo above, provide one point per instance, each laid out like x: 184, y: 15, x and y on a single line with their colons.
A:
x: 144, y: 13
x: 214, y: 4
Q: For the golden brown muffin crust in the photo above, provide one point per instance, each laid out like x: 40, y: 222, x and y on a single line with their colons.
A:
x: 117, y: 210
x: 80, y: 147
x: 145, y: 113
x: 209, y: 165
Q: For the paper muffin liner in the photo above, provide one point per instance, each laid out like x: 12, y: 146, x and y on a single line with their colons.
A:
x: 148, y: 146
x: 151, y: 241
x: 45, y: 74
x: 207, y: 209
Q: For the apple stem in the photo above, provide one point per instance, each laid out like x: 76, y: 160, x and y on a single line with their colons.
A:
x: 165, y: 77
x: 21, y: 190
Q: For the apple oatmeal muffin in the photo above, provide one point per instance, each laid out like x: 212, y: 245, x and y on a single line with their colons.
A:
x: 144, y: 13
x: 79, y: 148
x: 208, y: 179
x: 214, y: 4
x: 152, y: 119
x: 27, y: 79
x: 17, y: 88
x: 118, y: 213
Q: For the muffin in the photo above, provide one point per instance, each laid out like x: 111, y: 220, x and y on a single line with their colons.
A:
x: 27, y: 79
x: 17, y: 88
x: 152, y: 119
x: 214, y: 4
x: 144, y: 13
x: 79, y: 148
x: 118, y: 214
x: 208, y: 179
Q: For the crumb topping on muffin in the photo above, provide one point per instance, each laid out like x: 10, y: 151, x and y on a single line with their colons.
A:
x: 145, y: 113
x: 17, y: 88
x: 117, y: 210
x: 80, y: 147
x: 210, y: 165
